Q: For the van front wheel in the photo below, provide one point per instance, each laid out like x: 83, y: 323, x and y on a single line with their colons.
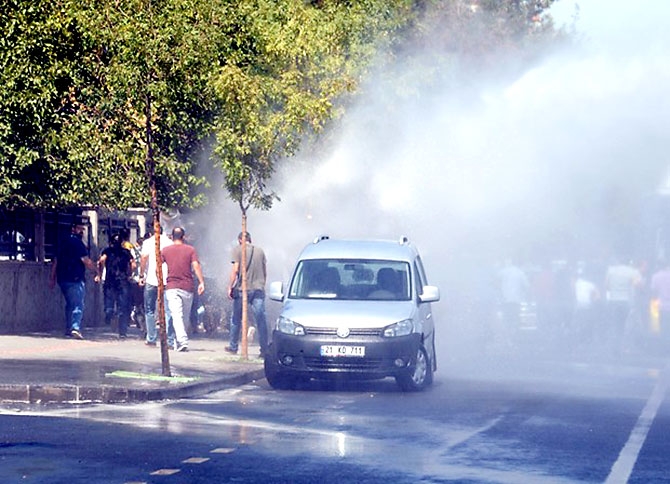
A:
x: 277, y: 379
x: 419, y: 375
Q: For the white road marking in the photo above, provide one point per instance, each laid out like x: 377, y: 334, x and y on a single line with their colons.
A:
x: 222, y: 450
x: 165, y: 472
x: 195, y: 460
x: 623, y: 467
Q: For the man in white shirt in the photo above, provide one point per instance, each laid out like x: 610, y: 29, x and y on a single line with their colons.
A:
x: 149, y: 279
x: 584, y: 320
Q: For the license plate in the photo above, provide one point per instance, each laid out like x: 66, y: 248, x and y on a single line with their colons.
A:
x: 341, y: 350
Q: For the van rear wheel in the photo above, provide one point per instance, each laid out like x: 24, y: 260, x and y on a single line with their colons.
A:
x: 419, y: 376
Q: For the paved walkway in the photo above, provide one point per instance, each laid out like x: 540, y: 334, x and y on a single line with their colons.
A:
x: 44, y: 368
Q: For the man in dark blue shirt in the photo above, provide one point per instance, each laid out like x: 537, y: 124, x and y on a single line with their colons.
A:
x: 69, y: 270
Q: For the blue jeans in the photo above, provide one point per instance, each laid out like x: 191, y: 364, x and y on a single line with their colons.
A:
x: 74, y: 293
x: 150, y: 302
x: 117, y: 301
x: 256, y: 300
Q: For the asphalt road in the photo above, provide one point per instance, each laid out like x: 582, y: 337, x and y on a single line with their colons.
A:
x: 506, y: 421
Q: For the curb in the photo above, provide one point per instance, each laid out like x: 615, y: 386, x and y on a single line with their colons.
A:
x: 81, y: 394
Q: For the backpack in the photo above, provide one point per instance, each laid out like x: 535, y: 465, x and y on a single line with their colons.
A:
x: 117, y: 265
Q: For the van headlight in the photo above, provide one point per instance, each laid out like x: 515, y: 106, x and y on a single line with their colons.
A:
x: 401, y: 328
x: 287, y: 326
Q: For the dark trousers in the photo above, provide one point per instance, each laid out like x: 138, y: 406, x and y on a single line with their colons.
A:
x: 117, y: 301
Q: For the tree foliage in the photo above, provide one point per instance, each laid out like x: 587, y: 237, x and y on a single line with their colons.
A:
x: 149, y: 63
x: 485, y: 30
x: 296, y: 60
x: 78, y: 76
x: 39, y: 58
x: 88, y: 86
x: 463, y: 39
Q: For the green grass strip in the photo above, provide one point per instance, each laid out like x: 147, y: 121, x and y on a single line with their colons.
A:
x: 150, y: 376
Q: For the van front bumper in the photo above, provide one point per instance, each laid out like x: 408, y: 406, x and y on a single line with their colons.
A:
x: 381, y: 357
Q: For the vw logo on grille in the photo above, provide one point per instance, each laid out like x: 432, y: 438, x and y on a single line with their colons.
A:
x: 343, y: 332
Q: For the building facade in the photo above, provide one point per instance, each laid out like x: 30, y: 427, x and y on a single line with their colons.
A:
x: 29, y: 241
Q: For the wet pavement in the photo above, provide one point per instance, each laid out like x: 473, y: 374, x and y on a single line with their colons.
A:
x: 46, y: 368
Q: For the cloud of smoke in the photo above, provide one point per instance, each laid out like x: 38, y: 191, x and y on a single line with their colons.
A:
x: 557, y: 157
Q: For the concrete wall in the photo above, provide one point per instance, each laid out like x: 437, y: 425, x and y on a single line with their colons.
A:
x: 26, y: 302
x: 28, y: 305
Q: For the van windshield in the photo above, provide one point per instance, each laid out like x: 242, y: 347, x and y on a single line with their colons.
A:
x: 351, y: 279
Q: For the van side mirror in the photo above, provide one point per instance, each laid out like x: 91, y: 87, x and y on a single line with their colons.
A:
x: 430, y: 294
x: 276, y: 291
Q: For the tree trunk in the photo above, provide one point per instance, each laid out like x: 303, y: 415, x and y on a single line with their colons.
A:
x: 245, y: 299
x: 160, y: 302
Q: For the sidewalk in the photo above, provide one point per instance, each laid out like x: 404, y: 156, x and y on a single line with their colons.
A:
x: 46, y: 368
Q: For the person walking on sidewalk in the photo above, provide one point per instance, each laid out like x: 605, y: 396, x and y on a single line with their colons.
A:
x: 182, y: 261
x: 149, y: 279
x: 69, y: 270
x: 621, y: 282
x: 136, y: 291
x: 256, y: 272
x: 514, y: 289
x: 585, y: 306
x: 118, y: 265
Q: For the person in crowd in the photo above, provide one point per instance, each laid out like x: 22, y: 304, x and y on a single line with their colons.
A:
x: 514, y: 287
x: 481, y: 297
x: 621, y: 281
x: 69, y: 270
x: 136, y: 291
x: 256, y: 275
x: 118, y: 264
x: 182, y: 260
x: 642, y: 299
x: 660, y: 289
x: 564, y: 299
x: 543, y: 289
x: 586, y: 295
x: 149, y: 279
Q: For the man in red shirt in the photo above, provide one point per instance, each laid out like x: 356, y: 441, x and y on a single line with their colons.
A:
x: 182, y: 261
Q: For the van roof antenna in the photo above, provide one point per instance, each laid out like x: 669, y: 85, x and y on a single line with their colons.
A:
x: 320, y: 238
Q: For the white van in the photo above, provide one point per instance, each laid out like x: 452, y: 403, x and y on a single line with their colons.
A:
x: 354, y: 308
